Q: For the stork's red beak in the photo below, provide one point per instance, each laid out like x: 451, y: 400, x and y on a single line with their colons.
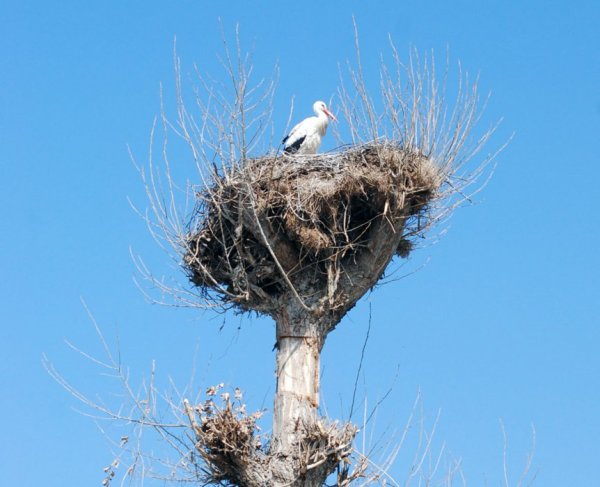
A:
x: 330, y: 115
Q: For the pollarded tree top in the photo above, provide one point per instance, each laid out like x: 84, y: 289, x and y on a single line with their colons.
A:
x: 318, y: 230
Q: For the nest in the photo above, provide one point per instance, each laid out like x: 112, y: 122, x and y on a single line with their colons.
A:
x: 226, y: 438
x: 276, y: 228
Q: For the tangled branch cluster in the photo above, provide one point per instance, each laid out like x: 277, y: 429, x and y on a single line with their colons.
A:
x: 226, y: 436
x: 229, y: 443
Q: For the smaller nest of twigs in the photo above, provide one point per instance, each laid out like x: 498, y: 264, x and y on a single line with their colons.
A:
x: 279, y: 222
x: 234, y: 453
x: 226, y: 435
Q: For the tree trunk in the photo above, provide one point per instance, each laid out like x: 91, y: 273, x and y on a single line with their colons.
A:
x: 297, y: 396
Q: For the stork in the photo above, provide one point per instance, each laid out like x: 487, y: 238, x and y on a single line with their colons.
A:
x: 305, y: 137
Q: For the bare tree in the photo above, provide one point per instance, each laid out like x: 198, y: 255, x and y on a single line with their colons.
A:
x: 301, y: 239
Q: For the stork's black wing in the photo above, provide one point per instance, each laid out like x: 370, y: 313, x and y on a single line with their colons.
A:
x: 295, y: 146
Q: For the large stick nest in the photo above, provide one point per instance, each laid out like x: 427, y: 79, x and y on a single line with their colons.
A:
x: 297, y: 227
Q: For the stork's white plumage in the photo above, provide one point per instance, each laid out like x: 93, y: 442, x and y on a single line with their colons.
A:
x: 305, y: 138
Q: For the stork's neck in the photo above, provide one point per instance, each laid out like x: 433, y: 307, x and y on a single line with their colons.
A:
x: 322, y: 122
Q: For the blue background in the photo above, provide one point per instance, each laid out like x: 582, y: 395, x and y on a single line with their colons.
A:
x: 501, y: 322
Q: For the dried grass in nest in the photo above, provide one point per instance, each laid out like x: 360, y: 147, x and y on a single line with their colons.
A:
x: 298, y: 215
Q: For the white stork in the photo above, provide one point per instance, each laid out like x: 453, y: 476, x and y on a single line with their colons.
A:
x: 305, y: 138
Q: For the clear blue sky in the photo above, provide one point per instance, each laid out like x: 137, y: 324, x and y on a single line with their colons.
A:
x: 502, y: 322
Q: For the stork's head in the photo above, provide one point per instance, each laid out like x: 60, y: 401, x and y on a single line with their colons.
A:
x: 320, y: 107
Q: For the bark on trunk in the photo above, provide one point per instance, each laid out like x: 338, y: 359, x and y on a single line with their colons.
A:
x: 297, y: 372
